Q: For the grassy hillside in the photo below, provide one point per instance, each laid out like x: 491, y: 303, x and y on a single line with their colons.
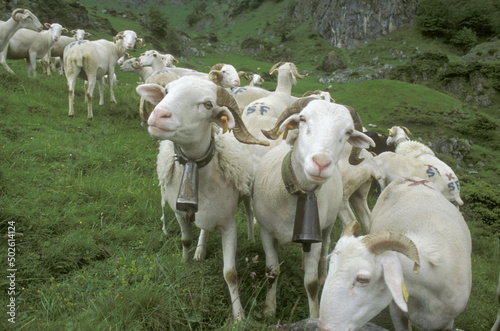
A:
x: 84, y: 200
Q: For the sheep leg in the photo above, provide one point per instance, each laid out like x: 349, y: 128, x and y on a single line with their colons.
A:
x: 163, y: 202
x: 111, y: 80
x: 229, y: 243
x: 270, y: 246
x: 100, y: 85
x: 31, y: 63
x: 71, y: 93
x: 201, y: 249
x: 359, y: 202
x: 3, y: 59
x: 325, y: 250
x: 496, y: 326
x: 247, y: 201
x: 311, y: 278
x: 186, y: 235
x: 345, y: 213
x: 88, y: 95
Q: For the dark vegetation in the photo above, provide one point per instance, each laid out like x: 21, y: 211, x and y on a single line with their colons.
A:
x: 84, y: 195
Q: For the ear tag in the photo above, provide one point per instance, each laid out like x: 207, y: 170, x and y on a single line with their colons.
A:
x: 391, y: 133
x: 406, y: 295
x: 225, y: 123
x: 288, y: 127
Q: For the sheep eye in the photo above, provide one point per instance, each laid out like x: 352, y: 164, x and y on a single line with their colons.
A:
x: 349, y: 132
x: 208, y: 105
x: 302, y: 118
x: 362, y: 280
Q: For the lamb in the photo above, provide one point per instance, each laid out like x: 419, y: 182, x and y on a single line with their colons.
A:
x: 183, y: 119
x: 416, y: 241
x: 310, y: 160
x: 273, y: 104
x: 20, y: 18
x: 91, y: 60
x: 398, y: 136
x: 55, y: 55
x: 30, y: 45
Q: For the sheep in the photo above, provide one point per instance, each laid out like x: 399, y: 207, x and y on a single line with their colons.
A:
x: 183, y: 119
x: 20, y: 18
x: 54, y: 56
x: 398, y: 136
x: 30, y: 45
x: 496, y: 326
x: 244, y: 95
x: 91, y: 60
x: 416, y: 241
x: 255, y: 79
x: 380, y: 143
x: 273, y: 104
x: 311, y: 157
x: 134, y: 65
x: 325, y: 95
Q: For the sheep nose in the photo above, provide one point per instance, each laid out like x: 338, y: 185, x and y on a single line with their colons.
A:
x: 321, y: 161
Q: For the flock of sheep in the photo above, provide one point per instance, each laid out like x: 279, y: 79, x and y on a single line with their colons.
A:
x: 222, y: 143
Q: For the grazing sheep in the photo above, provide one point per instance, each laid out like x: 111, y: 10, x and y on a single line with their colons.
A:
x: 398, y: 136
x: 417, y: 259
x: 311, y: 158
x: 91, y: 60
x: 183, y: 120
x: 30, y: 45
x: 54, y: 57
x: 20, y: 18
x: 273, y: 104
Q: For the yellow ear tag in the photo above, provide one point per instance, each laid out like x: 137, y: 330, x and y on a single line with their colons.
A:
x: 288, y: 127
x: 225, y: 123
x: 406, y: 295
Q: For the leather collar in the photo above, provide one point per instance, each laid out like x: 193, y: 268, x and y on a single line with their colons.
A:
x: 202, y: 161
x: 289, y: 178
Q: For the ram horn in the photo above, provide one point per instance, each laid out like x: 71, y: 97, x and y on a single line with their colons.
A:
x: 294, y: 108
x: 215, y: 74
x: 15, y: 12
x: 408, y: 133
x: 296, y: 72
x: 119, y: 35
x: 240, y: 131
x: 276, y: 66
x: 354, y: 156
x: 308, y: 93
x: 352, y: 229
x: 382, y: 241
x: 243, y: 74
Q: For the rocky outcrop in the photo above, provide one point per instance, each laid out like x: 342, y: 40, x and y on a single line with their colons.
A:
x: 351, y: 23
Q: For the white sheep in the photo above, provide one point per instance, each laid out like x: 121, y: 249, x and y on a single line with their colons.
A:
x: 54, y: 57
x: 183, y: 119
x: 91, y: 60
x: 398, y: 136
x: 244, y: 95
x: 417, y: 259
x: 255, y: 79
x: 20, y: 18
x: 30, y: 45
x: 311, y: 161
x: 273, y: 104
x: 134, y: 65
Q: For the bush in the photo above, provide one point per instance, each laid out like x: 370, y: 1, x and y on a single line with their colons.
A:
x: 464, y: 39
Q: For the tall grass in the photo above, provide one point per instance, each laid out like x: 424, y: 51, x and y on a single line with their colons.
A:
x: 86, y: 205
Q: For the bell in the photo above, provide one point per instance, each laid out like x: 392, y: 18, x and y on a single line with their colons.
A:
x: 187, y: 199
x: 306, y: 229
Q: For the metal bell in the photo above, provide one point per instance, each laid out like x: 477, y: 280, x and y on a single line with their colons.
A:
x: 306, y: 229
x: 187, y: 198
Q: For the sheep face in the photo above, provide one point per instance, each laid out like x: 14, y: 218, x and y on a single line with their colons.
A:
x: 80, y: 34
x: 230, y: 77
x: 128, y: 39
x: 149, y: 57
x: 27, y: 19
x: 55, y: 30
x: 130, y: 65
x: 185, y: 108
x: 324, y: 128
x: 355, y: 289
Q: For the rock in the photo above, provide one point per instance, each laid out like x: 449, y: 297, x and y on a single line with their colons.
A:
x: 331, y: 62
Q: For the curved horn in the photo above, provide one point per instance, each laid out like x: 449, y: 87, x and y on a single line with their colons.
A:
x: 294, y: 108
x: 240, y: 131
x: 352, y: 229
x: 119, y: 35
x: 382, y: 241
x: 406, y: 130
x: 296, y: 72
x: 217, y: 66
x: 276, y: 66
x: 15, y: 12
x: 243, y: 74
x: 354, y: 156
x: 215, y: 76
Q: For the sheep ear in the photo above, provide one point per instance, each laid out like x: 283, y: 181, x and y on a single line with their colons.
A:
x: 153, y: 93
x: 393, y: 277
x: 47, y: 25
x: 224, y: 118
x: 65, y: 30
x: 361, y: 140
x: 290, y: 123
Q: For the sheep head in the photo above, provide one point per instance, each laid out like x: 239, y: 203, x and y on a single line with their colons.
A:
x: 21, y: 16
x: 224, y: 75
x: 325, y: 95
x: 19, y: 11
x: 128, y: 38
x: 189, y: 105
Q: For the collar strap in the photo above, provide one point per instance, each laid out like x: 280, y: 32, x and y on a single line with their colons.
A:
x: 289, y: 178
x: 201, y: 162
x: 401, y: 140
